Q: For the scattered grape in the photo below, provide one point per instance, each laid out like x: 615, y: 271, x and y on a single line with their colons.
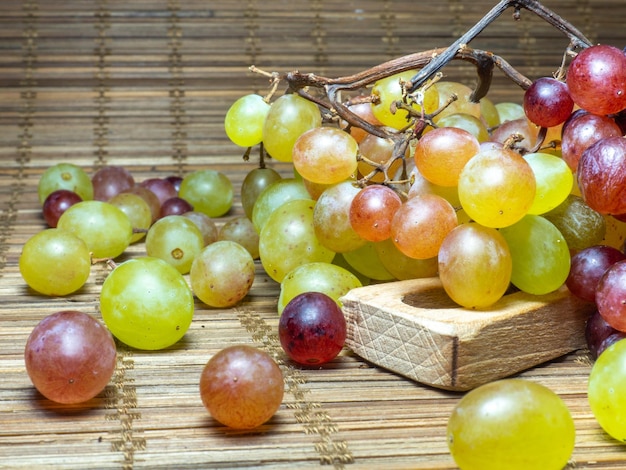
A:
x: 176, y: 240
x: 208, y: 191
x: 56, y: 203
x: 65, y: 176
x: 110, y: 181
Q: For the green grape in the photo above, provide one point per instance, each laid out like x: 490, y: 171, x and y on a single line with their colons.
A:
x: 274, y: 196
x: 244, y: 120
x: 467, y: 122
x: 402, y: 267
x: 146, y: 303
x: 176, y: 240
x: 475, y: 265
x: 340, y: 261
x: 554, y: 181
x: 497, y: 187
x: 489, y: 113
x: 289, y: 117
x: 387, y: 91
x: 511, y: 424
x: 65, y: 176
x: 607, y: 390
x: 138, y: 212
x: 541, y: 257
x: 208, y: 191
x: 580, y: 225
x: 55, y: 262
x: 510, y: 111
x: 327, y: 278
x: 222, y: 273
x: 288, y: 239
x: 331, y: 218
x: 365, y: 260
x: 253, y: 184
x: 105, y: 228
x: 462, y: 104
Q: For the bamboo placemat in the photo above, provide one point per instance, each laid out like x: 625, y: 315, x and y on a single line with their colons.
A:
x: 145, y: 84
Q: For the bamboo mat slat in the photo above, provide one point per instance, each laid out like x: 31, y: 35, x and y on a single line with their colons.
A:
x: 146, y: 84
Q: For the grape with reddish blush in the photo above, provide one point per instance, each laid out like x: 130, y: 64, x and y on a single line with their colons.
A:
x: 162, y: 188
x: 174, y: 206
x: 581, y: 131
x: 547, y: 102
x: 611, y: 296
x: 588, y: 266
x: 56, y: 203
x: 597, y: 330
x: 175, y: 180
x: 70, y: 357
x: 110, y: 181
x: 312, y: 329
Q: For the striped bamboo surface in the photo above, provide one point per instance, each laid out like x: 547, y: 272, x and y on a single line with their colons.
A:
x: 145, y: 84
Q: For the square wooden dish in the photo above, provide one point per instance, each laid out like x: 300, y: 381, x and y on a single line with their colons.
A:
x: 414, y: 329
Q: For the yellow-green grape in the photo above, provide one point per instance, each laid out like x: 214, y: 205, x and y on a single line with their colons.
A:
x: 331, y: 218
x: 274, y: 196
x: 222, y: 274
x: 55, y: 262
x: 138, y: 212
x: 497, y: 187
x: 475, y: 265
x: 402, y: 267
x: 208, y: 191
x: 387, y: 91
x: 65, y: 176
x: 511, y: 424
x: 541, y: 257
x: 176, y: 240
x: 245, y: 119
x: 105, y: 228
x: 554, y: 181
x: 325, y: 155
x: 467, y: 122
x: 607, y: 390
x: 489, y: 113
x: 146, y: 303
x: 289, y: 117
x: 288, y: 239
x: 365, y: 260
x: 510, y: 111
x: 327, y: 278
x: 253, y: 184
x: 462, y: 103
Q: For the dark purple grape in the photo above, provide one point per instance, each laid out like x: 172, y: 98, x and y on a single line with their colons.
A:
x: 175, y: 180
x: 174, y: 206
x: 611, y: 339
x: 110, y: 181
x: 56, y: 203
x: 163, y: 189
x: 547, y: 102
x: 596, y: 331
x: 588, y: 266
x: 312, y: 328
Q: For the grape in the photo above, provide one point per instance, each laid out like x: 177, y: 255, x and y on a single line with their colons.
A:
x: 207, y: 227
x: 579, y: 224
x: 222, y: 274
x: 547, y: 102
x: 241, y: 230
x: 331, y: 218
x: 151, y: 199
x: 467, y: 122
x: 607, y: 390
x: 421, y: 185
x: 70, y: 357
x: 274, y: 196
x: 497, y: 187
x: 610, y: 339
x: 520, y: 127
x: 161, y: 188
x: 244, y: 120
x: 372, y: 210
x: 312, y: 329
x: 138, y: 212
x: 388, y: 90
x: 377, y: 150
x: 588, y: 266
x: 602, y: 175
x: 541, y: 257
x: 513, y: 424
x: 105, y: 228
x: 253, y: 184
x: 56, y: 203
x: 365, y: 112
x: 365, y: 260
x: 475, y: 265
x: 174, y: 206
x: 441, y: 154
x: 55, y: 262
x: 175, y: 181
x: 208, y: 191
x: 583, y: 130
x: 597, y: 332
x: 65, y: 176
x: 462, y: 104
x: 146, y: 303
x: 420, y: 225
x: 288, y: 240
x: 489, y: 112
x: 402, y: 267
x: 111, y: 180
x: 595, y: 79
x: 242, y: 387
x: 510, y: 111
x: 554, y: 181
x: 330, y: 279
x: 289, y: 117
x: 176, y: 240
x: 611, y: 295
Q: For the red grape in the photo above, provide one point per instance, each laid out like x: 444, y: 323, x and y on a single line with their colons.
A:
x: 597, y: 330
x: 581, y: 131
x: 372, y: 210
x: 70, y: 357
x: 110, y: 181
x: 312, y: 328
x: 175, y: 180
x: 611, y: 296
x: 162, y: 188
x: 56, y: 203
x: 547, y: 102
x: 588, y: 266
x: 174, y: 206
x: 242, y: 387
